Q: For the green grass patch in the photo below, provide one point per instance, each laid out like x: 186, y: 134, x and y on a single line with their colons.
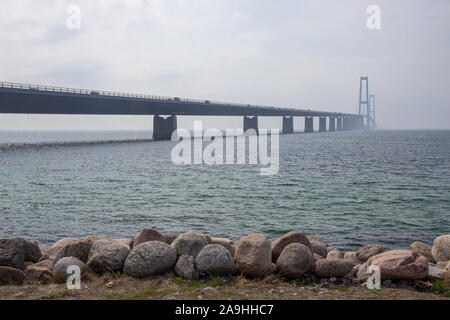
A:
x: 153, y: 291
x: 58, y: 295
x: 441, y: 289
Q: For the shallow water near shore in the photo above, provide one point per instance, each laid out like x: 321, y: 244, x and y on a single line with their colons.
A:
x: 350, y: 188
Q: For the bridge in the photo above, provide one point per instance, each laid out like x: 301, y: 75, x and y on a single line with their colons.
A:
x: 20, y: 98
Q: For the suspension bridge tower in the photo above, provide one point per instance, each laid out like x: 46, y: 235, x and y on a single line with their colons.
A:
x: 364, y: 99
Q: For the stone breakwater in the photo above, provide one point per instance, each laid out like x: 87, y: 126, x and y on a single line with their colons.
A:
x: 193, y: 255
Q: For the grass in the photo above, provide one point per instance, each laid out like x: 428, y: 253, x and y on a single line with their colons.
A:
x: 441, y: 289
x: 5, y: 293
x: 52, y: 296
x: 152, y: 291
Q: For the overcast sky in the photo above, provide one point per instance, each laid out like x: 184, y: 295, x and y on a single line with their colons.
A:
x: 290, y: 53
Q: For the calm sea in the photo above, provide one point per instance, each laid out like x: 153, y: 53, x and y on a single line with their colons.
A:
x: 350, y: 188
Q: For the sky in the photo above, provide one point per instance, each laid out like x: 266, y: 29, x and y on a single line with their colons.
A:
x: 287, y: 53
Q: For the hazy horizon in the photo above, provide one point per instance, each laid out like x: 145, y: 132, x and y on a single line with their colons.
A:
x: 304, y: 54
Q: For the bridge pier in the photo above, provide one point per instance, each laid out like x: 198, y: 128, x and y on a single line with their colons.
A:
x: 332, y: 124
x: 309, y: 124
x: 288, y: 125
x: 346, y: 124
x: 163, y: 128
x: 322, y: 124
x: 340, y: 125
x: 251, y: 122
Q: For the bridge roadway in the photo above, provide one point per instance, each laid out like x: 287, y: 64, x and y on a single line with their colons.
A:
x: 37, y: 99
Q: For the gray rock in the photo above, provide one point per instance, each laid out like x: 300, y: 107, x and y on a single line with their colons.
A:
x: 148, y: 234
x: 335, y: 254
x: 63, y: 242
x: 215, y: 259
x: 149, y: 258
x: 170, y: 237
x: 78, y: 249
x: 435, y: 273
x: 107, y: 256
x: 422, y: 249
x: 351, y: 256
x: 441, y: 248
x: 11, y: 276
x: 50, y: 253
x: 189, y: 243
x: 40, y: 271
x: 125, y: 241
x: 369, y: 251
x: 295, y: 260
x: 227, y: 243
x: 397, y: 265
x: 290, y: 237
x: 326, y: 268
x: 92, y: 239
x: 317, y: 257
x: 254, y: 255
x: 60, y: 268
x: 185, y: 267
x: 318, y: 246
x: 12, y: 253
x: 32, y: 251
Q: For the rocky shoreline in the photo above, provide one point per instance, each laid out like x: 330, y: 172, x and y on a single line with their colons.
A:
x: 192, y: 255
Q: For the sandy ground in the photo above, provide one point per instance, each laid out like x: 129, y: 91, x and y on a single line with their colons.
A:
x: 113, y: 287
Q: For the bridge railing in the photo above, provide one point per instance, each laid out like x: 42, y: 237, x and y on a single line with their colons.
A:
x: 13, y: 85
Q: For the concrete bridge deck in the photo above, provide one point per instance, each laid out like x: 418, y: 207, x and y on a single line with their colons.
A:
x: 36, y: 99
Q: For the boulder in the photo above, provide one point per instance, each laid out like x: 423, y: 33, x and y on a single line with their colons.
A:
x: 92, y: 239
x: 48, y: 264
x: 60, y: 268
x: 12, y: 253
x: 149, y: 258
x: 368, y: 251
x: 318, y: 246
x: 317, y: 257
x: 397, y: 265
x: 32, y: 251
x: 435, y: 273
x: 125, y: 241
x: 335, y: 254
x: 295, y: 260
x: 189, y: 243
x: 185, y: 268
x: 290, y: 237
x: 423, y: 249
x: 326, y: 268
x: 50, y: 253
x: 78, y: 249
x: 63, y: 242
x: 447, y: 277
x: 441, y: 248
x: 215, y: 259
x: 40, y: 271
x: 441, y: 264
x: 147, y: 234
x: 11, y: 276
x: 254, y: 255
x: 170, y: 237
x: 107, y: 256
x: 351, y: 256
x: 227, y: 243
